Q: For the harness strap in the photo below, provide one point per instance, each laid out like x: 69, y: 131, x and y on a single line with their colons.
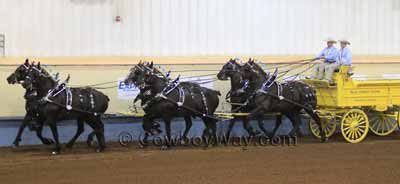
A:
x: 181, y: 98
x: 204, y: 101
x: 288, y: 100
x: 68, y: 98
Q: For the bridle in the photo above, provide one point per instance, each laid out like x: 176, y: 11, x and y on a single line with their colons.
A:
x: 40, y: 72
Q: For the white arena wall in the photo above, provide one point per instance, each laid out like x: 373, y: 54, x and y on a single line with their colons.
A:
x: 196, y: 27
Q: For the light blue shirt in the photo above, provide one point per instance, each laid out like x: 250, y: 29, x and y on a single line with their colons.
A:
x: 330, y: 54
x: 345, y: 56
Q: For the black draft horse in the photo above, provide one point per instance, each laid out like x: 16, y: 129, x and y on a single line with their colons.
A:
x: 182, y: 100
x: 32, y: 102
x: 135, y: 75
x: 240, y: 95
x: 288, y: 98
x: 61, y: 103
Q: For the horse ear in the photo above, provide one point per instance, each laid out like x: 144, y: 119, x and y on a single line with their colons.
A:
x: 275, y: 73
x: 68, y: 77
x: 26, y: 62
x: 38, y: 65
x: 151, y: 64
x: 33, y: 63
x: 56, y: 76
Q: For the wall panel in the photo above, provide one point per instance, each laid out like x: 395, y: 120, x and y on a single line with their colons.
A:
x: 196, y: 27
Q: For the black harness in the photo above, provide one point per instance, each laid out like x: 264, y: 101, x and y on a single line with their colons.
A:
x: 63, y: 87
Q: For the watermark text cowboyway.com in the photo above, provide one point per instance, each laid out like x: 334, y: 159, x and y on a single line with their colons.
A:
x: 126, y: 138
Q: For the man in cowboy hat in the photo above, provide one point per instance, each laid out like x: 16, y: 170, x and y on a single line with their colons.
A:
x: 344, y: 56
x: 329, y: 55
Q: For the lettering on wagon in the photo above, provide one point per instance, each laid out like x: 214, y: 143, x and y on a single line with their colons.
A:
x: 364, y: 92
x: 364, y: 100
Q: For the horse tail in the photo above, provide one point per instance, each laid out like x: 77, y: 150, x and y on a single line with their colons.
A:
x: 307, y: 94
x: 218, y: 92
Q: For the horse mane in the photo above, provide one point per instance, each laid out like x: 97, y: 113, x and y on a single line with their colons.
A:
x: 259, y: 69
x: 43, y: 72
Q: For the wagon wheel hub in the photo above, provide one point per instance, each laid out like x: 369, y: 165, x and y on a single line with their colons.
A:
x: 354, y: 124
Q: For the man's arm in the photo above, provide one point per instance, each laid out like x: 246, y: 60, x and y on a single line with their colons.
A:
x: 333, y: 55
x: 320, y: 55
x: 346, y: 60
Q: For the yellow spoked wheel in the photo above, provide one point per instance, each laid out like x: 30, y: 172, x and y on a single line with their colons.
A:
x: 382, y: 124
x: 354, y: 126
x: 328, y: 125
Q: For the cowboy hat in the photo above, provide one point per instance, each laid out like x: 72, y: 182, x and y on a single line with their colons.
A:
x: 344, y: 41
x: 330, y: 40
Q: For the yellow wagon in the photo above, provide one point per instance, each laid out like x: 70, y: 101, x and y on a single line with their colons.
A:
x: 358, y: 104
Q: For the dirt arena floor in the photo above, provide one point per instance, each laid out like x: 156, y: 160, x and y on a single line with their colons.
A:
x: 376, y: 160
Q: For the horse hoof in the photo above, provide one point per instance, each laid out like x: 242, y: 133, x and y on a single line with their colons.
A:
x: 142, y: 146
x: 164, y: 147
x: 91, y: 143
x: 185, y: 141
x: 55, y: 152
x: 324, y: 140
x: 15, y: 145
x: 99, y: 150
x: 69, y: 145
x: 47, y: 141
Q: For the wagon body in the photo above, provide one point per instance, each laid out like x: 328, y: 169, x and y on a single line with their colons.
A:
x: 358, y: 104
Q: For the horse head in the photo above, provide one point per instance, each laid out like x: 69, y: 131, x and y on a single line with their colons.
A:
x: 136, y: 74
x: 19, y: 74
x: 230, y: 68
x: 35, y: 75
x: 140, y: 72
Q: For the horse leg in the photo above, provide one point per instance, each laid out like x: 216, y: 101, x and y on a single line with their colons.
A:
x: 53, y: 126
x: 246, y: 120
x: 230, y: 127
x: 317, y: 120
x: 296, y: 120
x: 278, y: 123
x: 261, y: 125
x: 213, y: 126
x: 100, y: 136
x: 44, y: 140
x: 98, y: 128
x: 206, y: 132
x: 168, y: 132
x: 24, y: 123
x: 255, y: 112
x: 79, y: 131
x: 188, y: 122
x: 89, y: 139
x: 247, y: 127
x: 299, y: 133
x: 146, y: 125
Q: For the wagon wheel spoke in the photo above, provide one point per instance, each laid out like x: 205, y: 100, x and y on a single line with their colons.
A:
x: 382, y: 124
x: 354, y: 125
x: 328, y: 126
